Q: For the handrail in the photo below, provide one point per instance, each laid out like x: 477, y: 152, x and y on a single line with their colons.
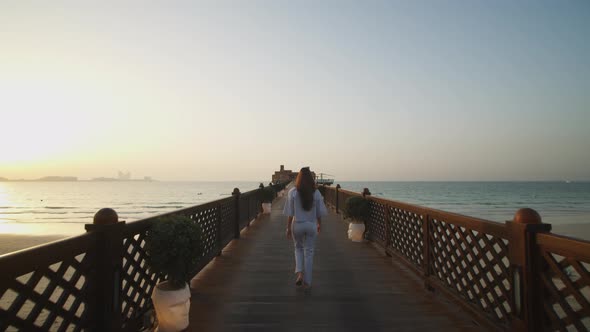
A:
x: 510, y: 276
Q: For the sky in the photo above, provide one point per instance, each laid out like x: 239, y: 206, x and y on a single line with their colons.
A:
x: 229, y: 90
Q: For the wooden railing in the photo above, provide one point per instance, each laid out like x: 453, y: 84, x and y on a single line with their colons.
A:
x: 99, y: 281
x: 513, y: 276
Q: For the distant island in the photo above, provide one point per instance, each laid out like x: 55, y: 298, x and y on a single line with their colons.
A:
x: 58, y: 178
x: 123, y: 177
x: 103, y: 179
x: 45, y: 179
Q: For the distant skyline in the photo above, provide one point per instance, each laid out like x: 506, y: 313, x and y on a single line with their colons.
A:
x: 230, y: 90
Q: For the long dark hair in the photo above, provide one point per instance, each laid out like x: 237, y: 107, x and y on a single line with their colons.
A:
x: 305, y: 185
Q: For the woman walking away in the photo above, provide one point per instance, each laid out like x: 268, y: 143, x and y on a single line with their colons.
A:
x: 306, y: 206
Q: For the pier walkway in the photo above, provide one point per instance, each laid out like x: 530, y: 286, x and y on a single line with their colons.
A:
x: 251, y: 287
x: 446, y: 272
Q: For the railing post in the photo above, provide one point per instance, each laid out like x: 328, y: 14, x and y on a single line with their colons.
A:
x: 366, y: 193
x: 108, y: 265
x: 258, y: 196
x: 525, y: 267
x: 236, y: 194
x: 387, y: 220
x: 248, y: 214
x: 336, y: 195
x: 426, y: 250
x: 219, y: 240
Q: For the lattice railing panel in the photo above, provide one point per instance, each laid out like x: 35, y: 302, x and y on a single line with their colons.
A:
x: 377, y: 222
x: 474, y: 264
x: 244, y: 207
x: 566, y: 288
x: 207, y: 217
x: 227, y: 221
x: 330, y: 197
x: 137, y: 282
x: 255, y: 205
x: 406, y: 234
x: 55, y: 297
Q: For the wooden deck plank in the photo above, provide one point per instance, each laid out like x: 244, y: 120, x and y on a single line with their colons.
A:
x: 251, y: 287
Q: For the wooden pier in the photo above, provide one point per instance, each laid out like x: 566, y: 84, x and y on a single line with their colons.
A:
x: 421, y: 269
x: 250, y: 287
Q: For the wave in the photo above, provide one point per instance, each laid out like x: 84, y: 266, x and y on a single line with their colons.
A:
x: 162, y: 206
x: 56, y: 218
x: 32, y: 212
x: 23, y: 212
x: 48, y: 221
x: 59, y: 207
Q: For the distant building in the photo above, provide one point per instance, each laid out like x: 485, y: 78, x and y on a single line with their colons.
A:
x: 284, y: 175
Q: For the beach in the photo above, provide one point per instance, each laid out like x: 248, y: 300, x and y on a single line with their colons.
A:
x: 578, y: 231
x: 14, y: 242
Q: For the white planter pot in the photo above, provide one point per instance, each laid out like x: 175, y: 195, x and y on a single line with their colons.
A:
x: 266, y: 207
x: 356, y: 231
x: 172, y: 307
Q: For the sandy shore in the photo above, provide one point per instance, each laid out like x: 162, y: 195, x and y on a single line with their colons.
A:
x: 579, y: 231
x: 12, y: 242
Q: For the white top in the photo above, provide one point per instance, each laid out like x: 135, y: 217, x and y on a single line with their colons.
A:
x: 293, y: 207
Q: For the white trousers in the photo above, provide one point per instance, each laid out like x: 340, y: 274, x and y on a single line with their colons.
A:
x: 304, y: 235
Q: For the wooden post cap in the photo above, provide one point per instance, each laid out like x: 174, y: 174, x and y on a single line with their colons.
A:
x: 236, y: 191
x: 338, y: 186
x: 366, y: 192
x: 261, y: 185
x: 106, y: 216
x: 527, y: 216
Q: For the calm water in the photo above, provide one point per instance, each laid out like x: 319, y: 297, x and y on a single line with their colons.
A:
x: 64, y: 207
x: 557, y: 202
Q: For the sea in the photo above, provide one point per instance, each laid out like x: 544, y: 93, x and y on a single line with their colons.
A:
x: 62, y: 208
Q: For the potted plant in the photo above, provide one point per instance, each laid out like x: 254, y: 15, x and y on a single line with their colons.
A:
x: 173, y: 245
x: 357, y: 209
x: 268, y: 194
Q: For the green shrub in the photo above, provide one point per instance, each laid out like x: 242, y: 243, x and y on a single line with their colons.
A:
x: 174, y: 248
x: 356, y: 208
x: 268, y: 194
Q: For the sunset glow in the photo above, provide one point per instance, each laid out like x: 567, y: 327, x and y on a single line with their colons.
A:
x: 230, y: 90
